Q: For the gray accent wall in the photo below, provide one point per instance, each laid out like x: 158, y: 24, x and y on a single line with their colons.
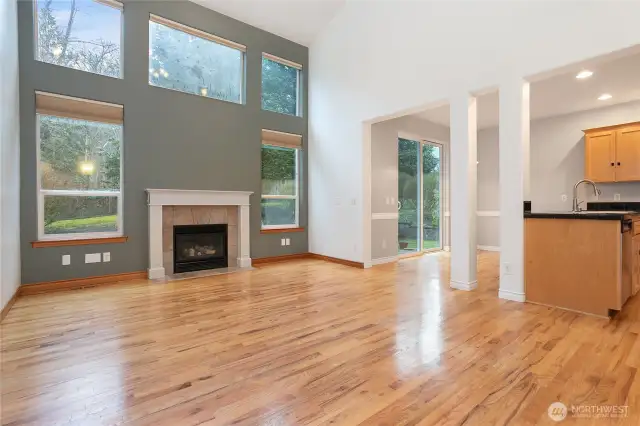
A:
x: 384, y: 177
x: 171, y: 139
x: 557, y: 163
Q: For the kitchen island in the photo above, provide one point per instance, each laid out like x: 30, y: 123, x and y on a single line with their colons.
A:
x: 582, y: 261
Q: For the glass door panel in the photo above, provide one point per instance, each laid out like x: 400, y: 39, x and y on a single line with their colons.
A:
x: 431, y: 185
x: 408, y: 196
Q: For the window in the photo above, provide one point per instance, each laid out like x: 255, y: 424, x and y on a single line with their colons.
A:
x: 189, y: 60
x: 280, y: 181
x: 280, y: 85
x: 79, y: 168
x: 80, y: 34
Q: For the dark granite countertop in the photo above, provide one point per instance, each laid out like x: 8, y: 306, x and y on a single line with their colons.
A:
x: 595, y: 210
x: 589, y: 215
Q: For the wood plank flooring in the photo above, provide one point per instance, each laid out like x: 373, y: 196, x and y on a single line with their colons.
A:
x: 312, y: 343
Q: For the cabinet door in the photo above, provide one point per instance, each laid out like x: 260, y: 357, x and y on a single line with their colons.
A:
x: 635, y: 286
x: 599, y: 156
x: 628, y: 154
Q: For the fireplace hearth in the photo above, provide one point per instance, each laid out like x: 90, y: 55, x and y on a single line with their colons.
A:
x: 199, y: 247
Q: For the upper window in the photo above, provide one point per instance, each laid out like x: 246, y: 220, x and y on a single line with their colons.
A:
x: 79, y: 168
x: 280, y: 85
x: 280, y: 180
x: 80, y: 34
x: 186, y: 59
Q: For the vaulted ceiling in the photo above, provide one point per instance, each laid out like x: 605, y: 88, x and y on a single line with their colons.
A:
x: 297, y: 20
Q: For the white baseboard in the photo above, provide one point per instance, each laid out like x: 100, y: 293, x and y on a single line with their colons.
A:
x: 382, y: 260
x: 489, y: 248
x: 511, y: 295
x: 156, y: 273
x: 458, y: 285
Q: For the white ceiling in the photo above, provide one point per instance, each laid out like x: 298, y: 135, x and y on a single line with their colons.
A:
x: 296, y: 20
x: 563, y: 94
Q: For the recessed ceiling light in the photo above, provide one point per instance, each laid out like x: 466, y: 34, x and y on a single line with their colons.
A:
x: 604, y: 97
x: 584, y: 74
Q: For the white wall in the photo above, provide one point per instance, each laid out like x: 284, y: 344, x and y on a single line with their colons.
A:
x: 557, y: 163
x: 384, y: 177
x: 380, y: 57
x: 9, y: 154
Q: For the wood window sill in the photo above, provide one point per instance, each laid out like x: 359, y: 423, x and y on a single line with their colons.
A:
x: 280, y: 230
x: 79, y: 242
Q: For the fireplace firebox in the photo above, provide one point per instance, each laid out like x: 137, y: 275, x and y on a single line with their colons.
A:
x: 199, y: 247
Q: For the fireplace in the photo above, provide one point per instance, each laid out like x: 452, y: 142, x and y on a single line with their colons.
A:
x: 199, y: 247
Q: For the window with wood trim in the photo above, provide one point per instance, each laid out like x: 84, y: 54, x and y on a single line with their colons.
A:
x: 81, y: 34
x: 193, y: 61
x: 79, y: 168
x: 281, y: 85
x: 280, y: 200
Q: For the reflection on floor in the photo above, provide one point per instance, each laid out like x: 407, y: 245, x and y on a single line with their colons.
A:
x: 310, y: 342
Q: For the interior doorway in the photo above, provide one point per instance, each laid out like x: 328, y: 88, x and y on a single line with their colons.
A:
x: 420, y: 209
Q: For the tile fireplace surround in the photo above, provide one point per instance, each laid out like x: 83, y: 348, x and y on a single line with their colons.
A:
x: 168, y: 207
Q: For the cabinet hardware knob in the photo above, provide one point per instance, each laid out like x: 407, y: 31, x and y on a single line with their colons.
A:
x: 618, y: 163
x: 613, y: 164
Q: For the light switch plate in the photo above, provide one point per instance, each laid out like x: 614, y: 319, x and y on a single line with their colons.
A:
x: 616, y: 197
x: 564, y: 197
x: 66, y: 259
x: 92, y: 258
x: 106, y: 256
x: 288, y: 242
x: 283, y: 242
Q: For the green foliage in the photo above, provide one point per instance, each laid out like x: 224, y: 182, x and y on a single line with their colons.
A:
x: 279, y: 87
x: 278, y: 171
x: 88, y: 224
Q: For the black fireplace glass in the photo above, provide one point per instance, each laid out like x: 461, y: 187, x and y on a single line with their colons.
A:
x: 199, y: 247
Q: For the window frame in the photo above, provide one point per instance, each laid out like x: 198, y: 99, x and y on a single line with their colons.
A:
x: 41, y: 193
x: 291, y: 64
x: 295, y: 197
x: 195, y: 32
x: 114, y: 4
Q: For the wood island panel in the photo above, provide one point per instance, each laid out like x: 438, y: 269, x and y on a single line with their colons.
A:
x: 574, y: 264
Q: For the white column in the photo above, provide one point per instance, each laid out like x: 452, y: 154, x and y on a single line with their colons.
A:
x: 244, y: 252
x: 514, y: 186
x: 463, y: 194
x: 156, y: 268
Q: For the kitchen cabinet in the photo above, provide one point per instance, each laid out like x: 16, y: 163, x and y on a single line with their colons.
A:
x: 612, y: 154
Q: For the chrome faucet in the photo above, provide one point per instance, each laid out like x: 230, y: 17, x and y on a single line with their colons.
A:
x: 576, y: 204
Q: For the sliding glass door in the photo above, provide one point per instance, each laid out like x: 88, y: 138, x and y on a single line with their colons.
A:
x: 409, y: 196
x: 431, y: 187
x: 419, y: 188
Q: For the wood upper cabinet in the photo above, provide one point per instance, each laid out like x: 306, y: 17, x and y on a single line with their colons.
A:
x: 628, y: 154
x: 600, y: 156
x: 612, y: 154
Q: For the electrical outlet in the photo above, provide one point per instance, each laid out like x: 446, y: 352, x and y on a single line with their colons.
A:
x: 92, y: 258
x: 283, y: 242
x: 288, y: 242
x: 507, y: 268
x: 387, y: 201
x: 66, y: 259
x: 384, y: 244
x: 616, y: 197
x: 106, y: 257
x: 563, y: 197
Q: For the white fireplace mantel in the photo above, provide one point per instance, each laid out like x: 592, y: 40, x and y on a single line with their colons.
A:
x: 156, y: 198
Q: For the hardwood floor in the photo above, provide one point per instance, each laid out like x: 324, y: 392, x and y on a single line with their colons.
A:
x: 312, y: 343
